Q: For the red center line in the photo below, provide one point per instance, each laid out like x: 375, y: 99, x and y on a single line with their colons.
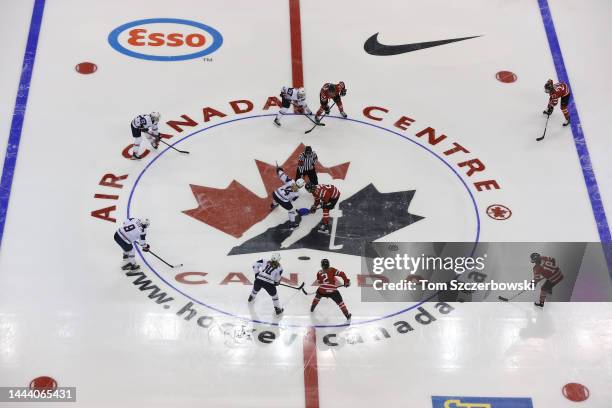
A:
x: 297, y: 70
x: 311, y: 376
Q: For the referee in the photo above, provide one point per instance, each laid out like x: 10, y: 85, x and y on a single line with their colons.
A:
x: 306, y: 165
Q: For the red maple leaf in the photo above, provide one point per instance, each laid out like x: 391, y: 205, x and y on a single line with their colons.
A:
x: 235, y: 209
x: 498, y: 212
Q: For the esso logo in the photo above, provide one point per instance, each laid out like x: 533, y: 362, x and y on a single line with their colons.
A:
x: 165, y: 39
x: 140, y: 37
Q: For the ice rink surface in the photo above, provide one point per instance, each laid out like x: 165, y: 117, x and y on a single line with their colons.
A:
x: 433, y: 126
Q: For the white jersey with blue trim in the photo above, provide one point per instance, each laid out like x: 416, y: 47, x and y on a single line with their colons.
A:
x: 133, y: 231
x: 292, y: 95
x: 285, y: 192
x: 265, y: 271
x: 145, y: 122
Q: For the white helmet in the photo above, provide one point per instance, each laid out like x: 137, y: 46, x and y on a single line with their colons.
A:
x: 301, y: 93
x: 300, y: 182
x: 284, y: 90
x: 155, y: 117
x: 145, y: 223
x: 275, y: 258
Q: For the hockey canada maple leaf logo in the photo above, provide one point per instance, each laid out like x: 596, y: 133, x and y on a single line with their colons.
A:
x: 367, y: 215
x: 235, y: 209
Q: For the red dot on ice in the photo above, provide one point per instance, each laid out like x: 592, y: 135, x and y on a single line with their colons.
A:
x: 43, y: 383
x: 506, y: 77
x: 86, y: 68
x: 575, y: 392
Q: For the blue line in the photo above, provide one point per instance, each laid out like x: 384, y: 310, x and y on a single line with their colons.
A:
x: 21, y: 101
x: 581, y: 146
x: 281, y: 324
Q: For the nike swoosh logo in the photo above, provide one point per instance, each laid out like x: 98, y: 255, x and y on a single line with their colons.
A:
x: 373, y: 47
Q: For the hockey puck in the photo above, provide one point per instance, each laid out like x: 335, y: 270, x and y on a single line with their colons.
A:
x: 575, y: 392
x: 506, y: 77
x: 86, y: 68
x: 303, y: 258
x: 43, y: 383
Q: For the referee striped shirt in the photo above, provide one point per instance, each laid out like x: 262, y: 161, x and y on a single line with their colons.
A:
x: 306, y: 162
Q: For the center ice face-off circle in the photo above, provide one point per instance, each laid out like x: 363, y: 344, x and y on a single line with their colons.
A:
x: 228, y: 155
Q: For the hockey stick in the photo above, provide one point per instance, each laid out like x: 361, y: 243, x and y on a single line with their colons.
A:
x: 503, y: 299
x: 155, y: 255
x: 315, y: 123
x: 545, y: 126
x: 318, y: 124
x: 312, y: 293
x: 301, y: 287
x: 172, y: 147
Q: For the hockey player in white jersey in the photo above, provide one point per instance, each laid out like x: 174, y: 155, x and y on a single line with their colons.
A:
x: 287, y: 193
x: 268, y: 276
x: 295, y: 97
x: 148, y: 124
x: 133, y: 231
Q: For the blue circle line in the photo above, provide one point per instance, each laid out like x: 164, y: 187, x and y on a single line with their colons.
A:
x: 281, y: 324
x: 113, y: 40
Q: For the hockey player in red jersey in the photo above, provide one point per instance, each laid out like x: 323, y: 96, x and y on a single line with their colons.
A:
x: 333, y: 92
x: 545, y: 268
x: 327, y: 278
x: 326, y: 196
x: 558, y: 91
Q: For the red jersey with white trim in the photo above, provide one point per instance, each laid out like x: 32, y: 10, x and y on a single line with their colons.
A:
x: 547, y: 269
x: 328, y: 279
x: 560, y: 90
x: 324, y: 193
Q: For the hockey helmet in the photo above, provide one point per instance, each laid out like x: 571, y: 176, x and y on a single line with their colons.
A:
x: 308, y: 150
x: 275, y: 258
x: 548, y: 86
x: 310, y: 187
x: 284, y: 90
x: 155, y: 117
x: 342, y: 88
x: 324, y: 263
x: 301, y: 94
x: 300, y: 182
x: 535, y: 257
x: 145, y: 223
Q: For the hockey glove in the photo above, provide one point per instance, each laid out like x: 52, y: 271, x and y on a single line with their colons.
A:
x: 146, y: 248
x: 313, y: 209
x: 347, y: 283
